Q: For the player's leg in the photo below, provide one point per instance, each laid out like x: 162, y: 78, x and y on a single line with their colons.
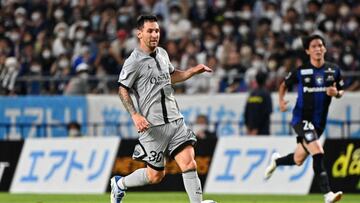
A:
x: 317, y: 152
x: 182, y: 150
x: 186, y: 161
x: 149, y: 150
x: 297, y: 158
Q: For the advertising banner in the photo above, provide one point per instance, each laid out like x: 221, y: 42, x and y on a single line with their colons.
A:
x: 124, y: 165
x: 239, y: 164
x: 224, y: 110
x: 9, y: 156
x: 65, y: 165
x: 342, y: 162
x: 39, y: 112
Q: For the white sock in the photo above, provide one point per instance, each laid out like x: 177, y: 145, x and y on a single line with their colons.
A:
x: 192, y: 186
x: 135, y: 179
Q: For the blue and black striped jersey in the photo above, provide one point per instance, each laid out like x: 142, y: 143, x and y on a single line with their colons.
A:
x: 312, y: 103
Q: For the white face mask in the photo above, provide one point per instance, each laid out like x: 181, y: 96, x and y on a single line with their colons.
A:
x: 195, y: 33
x: 286, y: 27
x: 256, y: 64
x: 348, y: 59
x: 63, y: 63
x: 200, y: 4
x: 209, y: 44
x: 246, y: 15
x: 46, y: 54
x: 270, y: 14
x: 74, y: 133
x: 220, y: 4
x: 62, y: 34
x: 308, y: 25
x: 14, y: 37
x: 352, y: 25
x: 227, y: 29
x: 58, y: 14
x: 80, y: 35
x: 329, y: 25
x: 243, y: 29
x: 175, y: 17
x: 35, y: 16
x: 19, y: 21
x: 199, y: 128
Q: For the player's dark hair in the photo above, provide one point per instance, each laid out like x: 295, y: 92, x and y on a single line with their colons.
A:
x: 307, y: 40
x: 145, y: 18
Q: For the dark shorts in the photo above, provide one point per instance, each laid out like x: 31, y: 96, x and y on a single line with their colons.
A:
x: 306, y: 132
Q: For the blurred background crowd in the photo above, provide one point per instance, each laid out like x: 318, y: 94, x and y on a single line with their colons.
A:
x: 79, y: 46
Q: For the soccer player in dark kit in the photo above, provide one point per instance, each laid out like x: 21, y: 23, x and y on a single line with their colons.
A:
x: 318, y: 81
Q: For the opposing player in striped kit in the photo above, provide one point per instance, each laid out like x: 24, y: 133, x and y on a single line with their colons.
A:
x: 317, y: 82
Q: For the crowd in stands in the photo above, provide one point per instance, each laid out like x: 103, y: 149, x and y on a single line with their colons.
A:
x: 88, y: 41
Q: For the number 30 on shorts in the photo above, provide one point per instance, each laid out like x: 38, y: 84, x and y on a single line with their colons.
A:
x: 308, y: 125
x: 156, y: 157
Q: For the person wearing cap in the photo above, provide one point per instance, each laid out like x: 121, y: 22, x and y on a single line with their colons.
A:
x: 78, y: 85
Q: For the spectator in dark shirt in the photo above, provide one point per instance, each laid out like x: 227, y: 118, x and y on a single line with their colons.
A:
x: 258, y: 108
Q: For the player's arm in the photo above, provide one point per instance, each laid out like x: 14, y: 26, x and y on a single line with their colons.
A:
x: 140, y: 121
x: 180, y: 76
x: 337, y: 89
x: 282, y: 92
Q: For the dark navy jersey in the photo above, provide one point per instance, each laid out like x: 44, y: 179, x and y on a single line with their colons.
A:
x: 312, y: 103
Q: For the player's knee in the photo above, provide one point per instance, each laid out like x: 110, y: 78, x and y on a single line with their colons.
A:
x: 155, y: 178
x: 298, y: 161
x: 189, y: 166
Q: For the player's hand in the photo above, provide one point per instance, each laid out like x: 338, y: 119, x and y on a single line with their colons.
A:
x: 200, y: 68
x: 140, y: 122
x: 283, y: 105
x: 332, y: 90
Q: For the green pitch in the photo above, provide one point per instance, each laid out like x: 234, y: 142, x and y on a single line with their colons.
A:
x: 169, y: 197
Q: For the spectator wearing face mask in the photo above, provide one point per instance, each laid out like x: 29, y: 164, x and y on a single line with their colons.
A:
x: 60, y: 43
x: 201, y: 128
x: 178, y: 26
x: 74, y: 129
x: 78, y: 85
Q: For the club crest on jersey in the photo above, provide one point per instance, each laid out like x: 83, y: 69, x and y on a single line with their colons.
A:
x: 319, y: 80
x: 307, y: 71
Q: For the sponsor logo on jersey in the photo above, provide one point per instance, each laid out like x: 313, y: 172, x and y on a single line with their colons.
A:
x: 162, y: 78
x: 314, y: 89
x: 307, y: 71
x: 329, y: 70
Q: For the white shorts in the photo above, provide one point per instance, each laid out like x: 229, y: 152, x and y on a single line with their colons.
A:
x: 162, y: 141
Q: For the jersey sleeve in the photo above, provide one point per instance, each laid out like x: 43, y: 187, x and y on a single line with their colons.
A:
x: 128, y: 73
x: 339, y: 80
x: 291, y: 78
x: 170, y: 66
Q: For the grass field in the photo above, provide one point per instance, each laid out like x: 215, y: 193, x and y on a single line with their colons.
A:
x: 169, y: 197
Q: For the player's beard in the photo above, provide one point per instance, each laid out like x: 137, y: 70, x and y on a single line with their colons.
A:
x: 153, y: 44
